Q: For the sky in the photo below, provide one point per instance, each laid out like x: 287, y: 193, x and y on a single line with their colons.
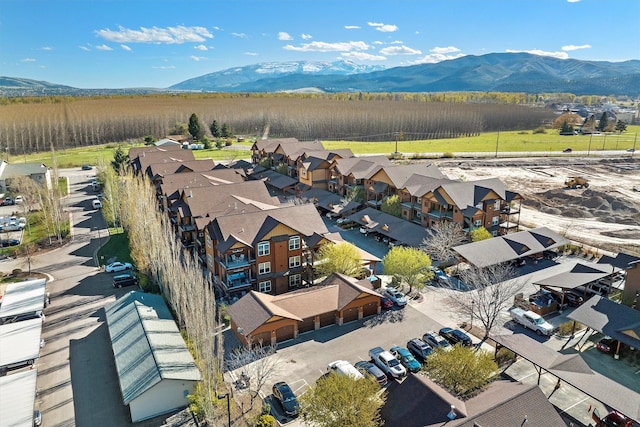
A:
x: 159, y: 43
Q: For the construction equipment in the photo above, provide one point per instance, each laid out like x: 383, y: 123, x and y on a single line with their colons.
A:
x: 576, y: 182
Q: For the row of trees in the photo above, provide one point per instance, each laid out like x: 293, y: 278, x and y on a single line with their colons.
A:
x: 26, y: 128
x: 567, y: 122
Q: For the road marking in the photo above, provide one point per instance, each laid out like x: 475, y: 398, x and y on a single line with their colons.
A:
x: 575, y: 404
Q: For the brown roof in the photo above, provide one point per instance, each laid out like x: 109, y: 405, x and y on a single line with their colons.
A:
x: 145, y: 159
x: 360, y: 167
x: 269, y: 145
x: 503, y: 403
x: 164, y: 168
x: 335, y: 292
x: 171, y: 183
x: 136, y: 151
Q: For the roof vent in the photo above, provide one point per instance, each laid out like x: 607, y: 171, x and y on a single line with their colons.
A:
x: 190, y: 193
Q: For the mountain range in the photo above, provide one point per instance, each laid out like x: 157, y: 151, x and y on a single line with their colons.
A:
x: 499, y: 72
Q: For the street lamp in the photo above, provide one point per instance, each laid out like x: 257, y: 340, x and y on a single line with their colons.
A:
x: 223, y: 396
x: 472, y: 306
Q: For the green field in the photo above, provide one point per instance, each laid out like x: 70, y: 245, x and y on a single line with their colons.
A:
x: 511, y: 141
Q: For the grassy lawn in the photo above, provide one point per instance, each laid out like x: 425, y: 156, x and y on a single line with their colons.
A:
x: 117, y: 247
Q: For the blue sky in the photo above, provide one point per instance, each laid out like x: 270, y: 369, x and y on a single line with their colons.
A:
x: 158, y: 43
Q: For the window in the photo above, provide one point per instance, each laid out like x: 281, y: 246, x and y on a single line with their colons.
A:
x: 494, y: 233
x: 210, y: 260
x: 419, y: 200
x: 495, y: 220
x: 477, y: 222
x: 265, y: 286
x: 263, y: 248
x: 295, y: 280
x: 264, y: 268
x: 209, y: 243
x: 294, y: 261
x: 303, y: 172
x: 294, y: 243
x: 496, y: 205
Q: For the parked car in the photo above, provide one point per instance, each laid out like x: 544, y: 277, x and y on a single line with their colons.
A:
x: 532, y: 321
x: 396, y: 296
x: 18, y: 200
x: 114, y: 267
x: 8, y: 201
x: 436, y: 341
x: 387, y: 362
x: 96, y: 204
x: 37, y: 418
x: 369, y: 369
x: 456, y: 336
x: 127, y: 279
x: 86, y: 167
x: 342, y: 367
x: 406, y: 358
x: 612, y: 419
x: 420, y: 349
x: 610, y: 345
x: 386, y: 303
x: 567, y: 150
x: 4, y: 243
x: 440, y: 277
x: 287, y: 398
x: 343, y: 221
x: 364, y: 230
x: 573, y: 299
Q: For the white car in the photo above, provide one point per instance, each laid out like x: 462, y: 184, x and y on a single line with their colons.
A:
x: 18, y: 200
x: 118, y: 266
x: 396, y: 296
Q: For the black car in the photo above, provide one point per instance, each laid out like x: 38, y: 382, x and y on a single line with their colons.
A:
x: 126, y: 279
x: 456, y: 336
x: 9, y: 242
x: 369, y: 369
x: 420, y: 349
x: 283, y: 394
x: 573, y: 299
x: 87, y: 167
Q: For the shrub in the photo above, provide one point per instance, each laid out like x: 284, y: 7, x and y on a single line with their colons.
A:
x: 266, y: 408
x: 448, y: 155
x: 266, y: 421
x: 566, y: 327
x: 228, y: 143
x: 505, y: 356
x: 539, y: 130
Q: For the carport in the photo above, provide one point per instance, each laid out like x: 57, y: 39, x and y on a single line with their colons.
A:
x: 618, y: 321
x: 396, y: 229
x: 579, y: 275
x: 572, y: 369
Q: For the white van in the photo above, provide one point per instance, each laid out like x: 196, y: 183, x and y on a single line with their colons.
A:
x: 342, y: 367
x: 96, y: 204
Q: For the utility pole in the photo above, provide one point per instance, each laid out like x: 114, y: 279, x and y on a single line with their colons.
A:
x: 497, y: 141
x: 396, y: 135
x: 589, y: 150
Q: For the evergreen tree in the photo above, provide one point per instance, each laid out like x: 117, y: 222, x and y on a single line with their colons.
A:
x: 225, y: 132
x: 215, y: 129
x: 621, y: 126
x: 566, y: 128
x: 194, y: 127
x: 604, y: 122
x: 120, y: 159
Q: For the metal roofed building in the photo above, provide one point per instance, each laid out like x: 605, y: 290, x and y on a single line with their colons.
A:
x: 20, y: 343
x: 17, y: 399
x: 23, y: 297
x: 156, y: 372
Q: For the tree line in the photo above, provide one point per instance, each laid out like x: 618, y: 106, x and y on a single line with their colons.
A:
x: 35, y: 127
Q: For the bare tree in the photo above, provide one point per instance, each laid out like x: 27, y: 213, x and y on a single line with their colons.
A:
x: 492, y: 291
x: 257, y: 365
x: 444, y: 237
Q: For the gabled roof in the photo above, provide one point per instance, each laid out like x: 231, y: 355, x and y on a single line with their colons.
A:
x: 225, y: 199
x: 509, y: 247
x: 360, y: 167
x: 136, y: 151
x: 615, y: 320
x: 270, y: 145
x: 274, y: 179
x: 420, y: 185
x: 503, y: 403
x: 621, y: 260
x: 579, y: 275
x: 470, y: 193
x: 251, y: 227
x: 162, y: 169
x: 147, y: 344
x: 335, y: 293
x: 400, y: 174
x: 13, y: 170
x: 329, y: 201
x: 397, y: 229
x: 172, y: 183
x: 23, y: 297
x: 145, y: 159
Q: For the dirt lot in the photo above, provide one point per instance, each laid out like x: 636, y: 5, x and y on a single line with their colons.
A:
x: 606, y: 215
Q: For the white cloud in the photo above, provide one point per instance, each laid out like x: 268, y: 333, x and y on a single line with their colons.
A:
x: 125, y: 47
x: 329, y: 47
x: 448, y: 49
x: 169, y: 35
x: 385, y: 28
x: 47, y: 48
x: 559, y: 55
x: 436, y: 57
x: 86, y: 49
x: 573, y: 47
x: 200, y: 47
x: 103, y: 47
x: 306, y: 36
x: 197, y: 58
x: 284, y: 36
x: 399, y: 50
x: 573, y: 1
x: 28, y: 60
x: 239, y: 35
x: 362, y: 56
x: 397, y: 42
x: 351, y: 27
x: 164, y: 67
x: 251, y: 53
x: 377, y: 42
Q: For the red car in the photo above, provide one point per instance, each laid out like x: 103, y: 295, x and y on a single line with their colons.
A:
x: 386, y: 303
x: 613, y: 419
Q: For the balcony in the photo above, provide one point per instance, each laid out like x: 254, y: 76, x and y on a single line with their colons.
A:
x: 441, y: 214
x: 235, y: 261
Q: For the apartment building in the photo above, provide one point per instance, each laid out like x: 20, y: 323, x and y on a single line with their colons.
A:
x: 270, y: 251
